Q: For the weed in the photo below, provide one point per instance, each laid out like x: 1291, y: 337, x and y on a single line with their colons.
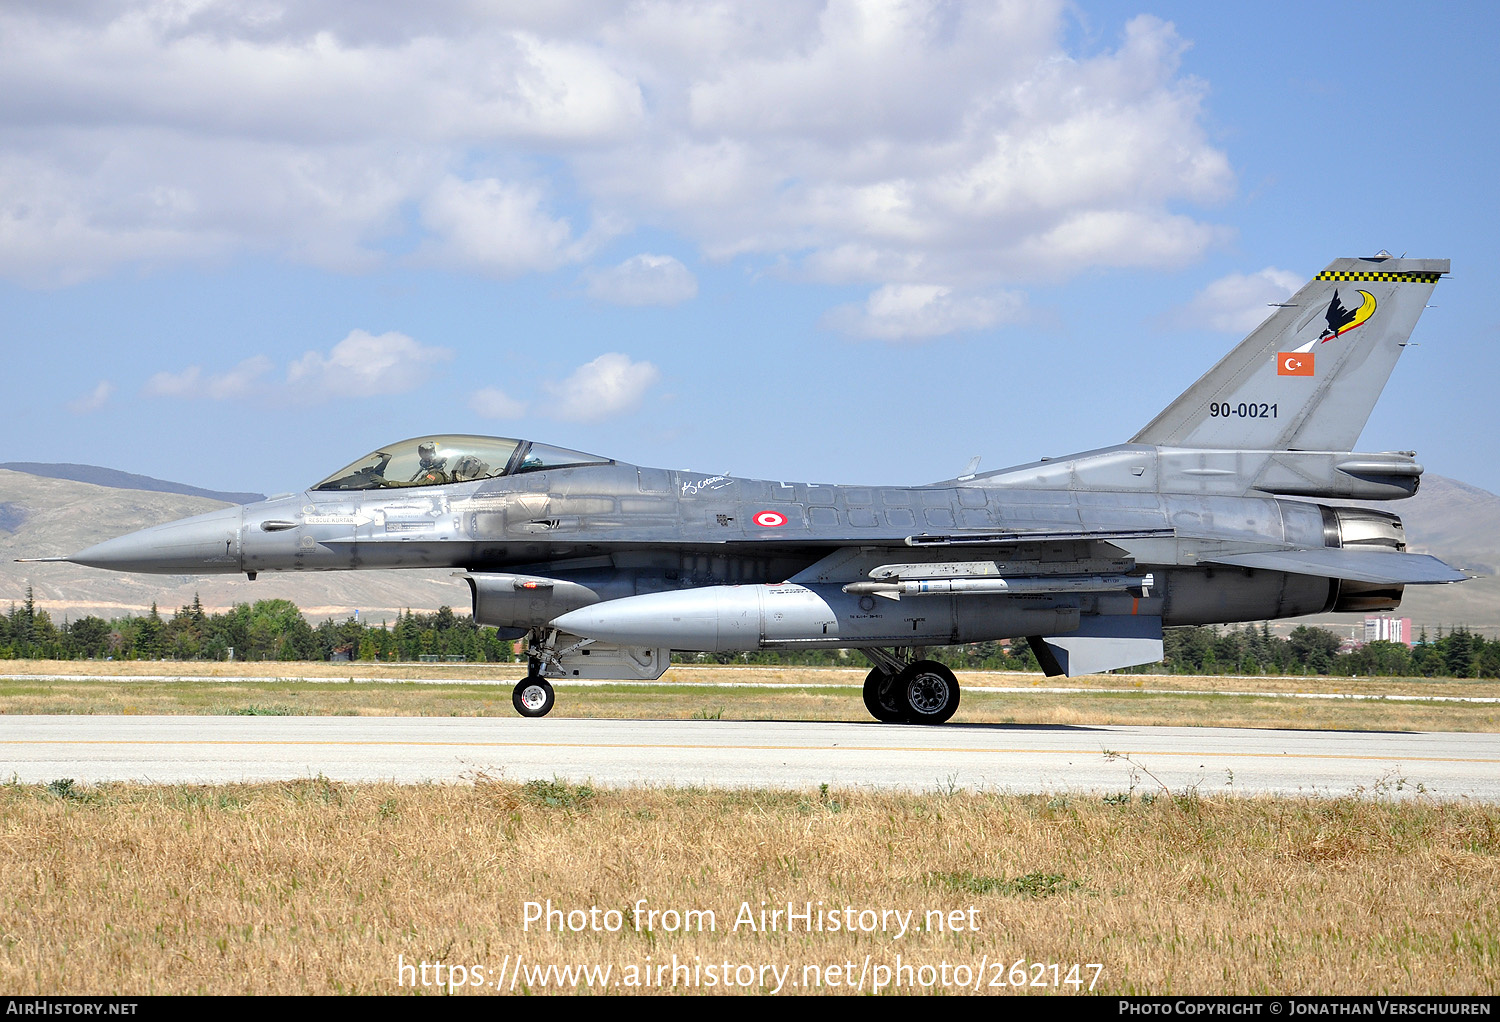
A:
x: 557, y: 794
x: 1031, y: 885
x: 313, y: 789
x: 65, y: 788
x: 209, y: 799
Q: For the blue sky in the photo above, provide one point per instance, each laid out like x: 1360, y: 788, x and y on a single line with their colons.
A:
x: 241, y: 244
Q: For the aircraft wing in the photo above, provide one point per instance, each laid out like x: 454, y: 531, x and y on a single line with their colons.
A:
x: 1383, y: 566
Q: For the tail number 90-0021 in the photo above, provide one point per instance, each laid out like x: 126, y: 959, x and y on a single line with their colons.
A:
x: 1243, y: 410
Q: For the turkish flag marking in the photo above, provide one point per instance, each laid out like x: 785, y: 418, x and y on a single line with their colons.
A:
x: 1294, y: 363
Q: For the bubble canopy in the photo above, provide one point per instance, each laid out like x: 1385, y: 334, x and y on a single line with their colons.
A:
x: 435, y: 460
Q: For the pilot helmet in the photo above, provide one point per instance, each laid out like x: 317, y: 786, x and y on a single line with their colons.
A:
x: 427, y: 450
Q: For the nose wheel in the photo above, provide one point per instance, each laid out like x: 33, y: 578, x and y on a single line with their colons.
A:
x: 533, y: 696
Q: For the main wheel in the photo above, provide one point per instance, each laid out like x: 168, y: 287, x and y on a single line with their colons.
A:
x: 883, y: 697
x: 533, y: 697
x: 928, y: 692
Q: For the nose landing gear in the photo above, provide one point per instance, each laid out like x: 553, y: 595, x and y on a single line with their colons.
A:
x: 533, y: 696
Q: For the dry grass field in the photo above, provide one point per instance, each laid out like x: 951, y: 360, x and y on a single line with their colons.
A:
x: 318, y: 887
x: 738, y: 693
x: 315, y: 887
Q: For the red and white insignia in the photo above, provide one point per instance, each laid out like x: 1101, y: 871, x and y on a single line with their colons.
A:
x: 1295, y: 363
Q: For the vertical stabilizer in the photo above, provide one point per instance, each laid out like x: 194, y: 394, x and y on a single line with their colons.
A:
x: 1308, y: 377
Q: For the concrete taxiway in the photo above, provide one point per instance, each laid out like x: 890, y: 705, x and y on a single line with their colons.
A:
x: 732, y: 754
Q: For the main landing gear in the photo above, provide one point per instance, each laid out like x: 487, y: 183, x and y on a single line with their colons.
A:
x: 901, y: 690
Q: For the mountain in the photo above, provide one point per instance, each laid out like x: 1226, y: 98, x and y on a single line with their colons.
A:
x: 48, y: 516
x: 123, y: 480
x: 1460, y: 524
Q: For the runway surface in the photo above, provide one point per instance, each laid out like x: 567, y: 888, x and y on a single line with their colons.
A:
x: 734, y: 754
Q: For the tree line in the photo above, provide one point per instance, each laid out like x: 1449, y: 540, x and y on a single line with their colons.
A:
x: 264, y: 630
x: 276, y: 630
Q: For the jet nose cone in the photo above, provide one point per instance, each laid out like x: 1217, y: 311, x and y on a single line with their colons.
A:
x: 202, y: 545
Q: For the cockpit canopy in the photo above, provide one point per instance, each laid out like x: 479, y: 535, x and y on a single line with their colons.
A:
x: 434, y: 460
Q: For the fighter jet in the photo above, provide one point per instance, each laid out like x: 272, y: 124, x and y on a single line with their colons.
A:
x: 1208, y: 515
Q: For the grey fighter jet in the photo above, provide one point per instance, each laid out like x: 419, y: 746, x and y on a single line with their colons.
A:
x: 1207, y: 515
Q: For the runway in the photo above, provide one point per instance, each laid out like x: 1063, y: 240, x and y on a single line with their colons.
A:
x: 738, y: 754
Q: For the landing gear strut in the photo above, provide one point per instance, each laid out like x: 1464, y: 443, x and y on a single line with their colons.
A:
x: 533, y: 695
x: 905, y: 690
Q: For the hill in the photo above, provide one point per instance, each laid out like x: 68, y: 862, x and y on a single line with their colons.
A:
x: 48, y: 516
x: 1461, y: 524
x: 113, y: 477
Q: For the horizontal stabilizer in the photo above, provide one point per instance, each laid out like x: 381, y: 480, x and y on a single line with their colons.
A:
x: 1384, y: 566
x: 1100, y: 644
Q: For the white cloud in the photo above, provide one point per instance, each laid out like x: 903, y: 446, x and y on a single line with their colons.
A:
x: 493, y: 403
x: 910, y: 142
x: 643, y: 280
x: 900, y: 312
x: 363, y: 364
x: 497, y: 228
x: 360, y: 365
x: 1237, y: 303
x: 875, y: 141
x: 191, y: 382
x: 609, y: 385
x: 93, y: 400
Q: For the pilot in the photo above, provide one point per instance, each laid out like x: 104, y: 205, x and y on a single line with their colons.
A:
x: 430, y: 466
